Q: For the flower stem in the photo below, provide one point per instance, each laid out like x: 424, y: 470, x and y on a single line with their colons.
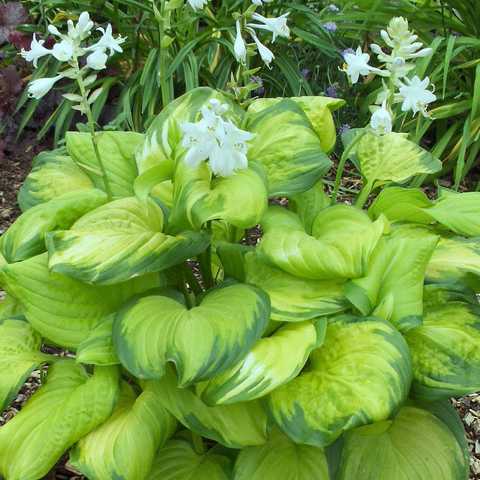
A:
x: 363, y: 195
x: 164, y: 86
x: 91, y: 126
x: 341, y: 166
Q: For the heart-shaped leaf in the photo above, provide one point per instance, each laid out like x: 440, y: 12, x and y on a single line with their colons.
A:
x: 201, y: 342
x: 361, y: 374
x: 118, y: 241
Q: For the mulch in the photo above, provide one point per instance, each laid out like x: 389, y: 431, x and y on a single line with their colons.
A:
x: 14, y: 166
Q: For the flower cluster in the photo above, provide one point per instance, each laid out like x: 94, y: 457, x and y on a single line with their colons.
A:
x: 277, y: 26
x: 69, y: 49
x: 413, y: 93
x: 216, y: 140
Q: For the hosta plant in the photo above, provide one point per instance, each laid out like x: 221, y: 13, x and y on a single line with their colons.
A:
x: 327, y: 351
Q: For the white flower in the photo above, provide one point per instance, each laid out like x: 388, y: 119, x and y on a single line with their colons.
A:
x: 278, y: 25
x: 64, y: 50
x: 265, y: 53
x: 415, y: 95
x: 261, y: 2
x: 357, y: 64
x: 37, y: 50
x: 197, y: 4
x: 220, y: 142
x: 97, y: 60
x: 108, y: 41
x: 239, y: 47
x: 381, y: 120
x: 40, y: 87
x: 82, y: 29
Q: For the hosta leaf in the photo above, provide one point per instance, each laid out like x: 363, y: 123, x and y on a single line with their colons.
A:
x: 124, y: 446
x: 454, y: 260
x: 19, y: 356
x: 118, y: 241
x: 402, y: 204
x: 414, y: 445
x: 62, y: 309
x: 292, y: 298
x: 319, y: 112
x: 395, y: 276
x: 164, y: 134
x: 53, y: 174
x: 177, y: 460
x: 97, y: 348
x: 342, y: 241
x: 459, y: 212
x: 307, y: 205
x: 446, y: 351
x: 288, y: 148
x: 273, y: 361
x: 235, y: 426
x: 26, y: 237
x: 392, y: 158
x: 280, y: 458
x: 10, y: 307
x: 360, y: 375
x: 201, y: 342
x: 66, y: 408
x: 240, y: 199
x: 117, y: 151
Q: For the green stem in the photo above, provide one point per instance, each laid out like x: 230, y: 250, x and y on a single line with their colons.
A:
x: 363, y: 195
x: 189, y: 296
x: 198, y: 445
x: 91, y: 126
x: 205, y: 260
x: 341, y: 166
x: 164, y: 86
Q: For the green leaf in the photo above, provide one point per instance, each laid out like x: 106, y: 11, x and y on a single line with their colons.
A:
x: 402, y: 204
x: 177, y: 460
x: 240, y: 199
x: 395, y: 276
x: 26, y: 237
x: 342, y: 241
x: 117, y: 151
x: 125, y: 445
x: 273, y: 361
x: 280, y: 458
x: 415, y: 444
x: 164, y: 134
x: 65, y: 409
x: 97, y: 348
x: 360, y: 375
x: 456, y: 260
x: 118, y: 241
x: 235, y: 426
x: 19, y: 356
x: 292, y: 298
x: 307, y: 205
x: 53, y: 174
x: 459, y: 212
x: 288, y: 148
x: 392, y: 158
x: 62, y: 309
x: 445, y: 353
x: 201, y: 342
x: 318, y: 110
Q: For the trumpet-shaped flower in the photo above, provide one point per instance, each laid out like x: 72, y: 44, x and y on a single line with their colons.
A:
x: 265, y: 53
x: 261, y: 2
x: 41, y: 86
x: 83, y: 28
x: 278, y: 25
x: 381, y: 120
x: 37, y: 50
x: 97, y: 60
x: 215, y: 140
x: 415, y: 95
x: 63, y: 51
x: 108, y: 41
x: 197, y: 4
x: 239, y: 47
x: 356, y: 64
